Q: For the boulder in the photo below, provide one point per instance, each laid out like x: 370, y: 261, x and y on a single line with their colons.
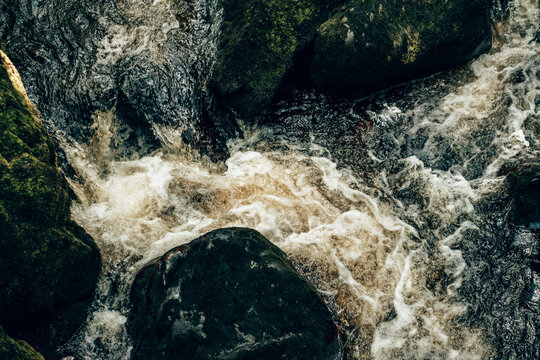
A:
x: 524, y: 182
x: 370, y: 45
x: 230, y: 294
x: 257, y: 45
x: 16, y: 349
x: 49, y: 265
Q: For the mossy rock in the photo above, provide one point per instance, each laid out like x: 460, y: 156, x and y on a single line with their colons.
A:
x: 257, y: 45
x: 47, y: 262
x: 373, y: 44
x: 230, y: 294
x: 16, y: 349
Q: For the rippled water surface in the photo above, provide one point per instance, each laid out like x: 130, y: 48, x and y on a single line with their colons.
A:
x: 392, y: 206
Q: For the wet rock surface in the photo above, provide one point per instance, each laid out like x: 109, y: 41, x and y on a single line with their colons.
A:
x: 371, y: 45
x: 257, y: 46
x: 230, y: 294
x: 80, y: 59
x: 49, y: 264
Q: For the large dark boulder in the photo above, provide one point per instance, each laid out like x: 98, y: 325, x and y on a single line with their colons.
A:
x: 258, y: 42
x: 373, y: 44
x: 230, y: 294
x: 49, y: 265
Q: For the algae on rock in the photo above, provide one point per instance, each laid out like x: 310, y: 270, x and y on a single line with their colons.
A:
x: 47, y: 261
x: 370, y: 45
x: 11, y: 349
x: 257, y: 45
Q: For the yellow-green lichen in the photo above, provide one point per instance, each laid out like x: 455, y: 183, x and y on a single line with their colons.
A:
x: 11, y: 349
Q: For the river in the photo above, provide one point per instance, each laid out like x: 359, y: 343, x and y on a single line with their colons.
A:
x: 394, y: 207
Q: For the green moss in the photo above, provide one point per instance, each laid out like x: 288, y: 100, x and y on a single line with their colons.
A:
x: 257, y: 45
x: 20, y: 131
x: 371, y: 44
x: 34, y: 190
x: 46, y: 261
x: 16, y: 349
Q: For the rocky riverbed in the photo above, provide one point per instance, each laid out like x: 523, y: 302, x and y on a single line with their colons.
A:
x: 217, y: 179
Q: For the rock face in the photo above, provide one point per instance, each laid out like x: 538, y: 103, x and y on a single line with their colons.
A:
x: 370, y: 45
x: 49, y: 265
x: 258, y: 42
x: 230, y: 294
x: 145, y: 63
x: 16, y: 349
x: 525, y: 187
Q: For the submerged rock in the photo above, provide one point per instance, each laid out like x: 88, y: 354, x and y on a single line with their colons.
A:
x: 49, y: 265
x: 16, y: 349
x: 230, y: 294
x: 370, y: 45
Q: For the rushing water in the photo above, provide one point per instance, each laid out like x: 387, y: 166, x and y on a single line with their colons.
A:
x: 393, y: 207
x: 145, y: 61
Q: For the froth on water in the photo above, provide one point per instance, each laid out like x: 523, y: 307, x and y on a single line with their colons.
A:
x: 368, y: 264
